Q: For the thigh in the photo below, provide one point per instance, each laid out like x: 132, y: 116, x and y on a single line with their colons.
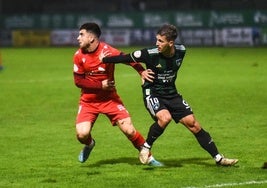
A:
x: 191, y: 123
x: 87, y: 112
x: 178, y: 108
x: 126, y: 126
x: 154, y: 105
x: 83, y: 128
x: 114, y: 110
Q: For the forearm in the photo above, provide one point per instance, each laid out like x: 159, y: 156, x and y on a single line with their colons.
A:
x: 137, y: 66
x: 127, y: 59
x: 81, y: 82
x: 118, y: 59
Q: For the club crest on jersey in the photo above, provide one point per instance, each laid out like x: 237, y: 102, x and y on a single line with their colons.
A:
x: 155, y: 106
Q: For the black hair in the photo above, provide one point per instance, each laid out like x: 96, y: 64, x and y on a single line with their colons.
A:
x: 168, y: 30
x: 91, y: 27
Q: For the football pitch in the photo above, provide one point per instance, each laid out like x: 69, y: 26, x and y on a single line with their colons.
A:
x: 226, y: 87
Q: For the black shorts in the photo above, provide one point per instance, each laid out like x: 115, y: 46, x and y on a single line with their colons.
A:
x: 177, y: 106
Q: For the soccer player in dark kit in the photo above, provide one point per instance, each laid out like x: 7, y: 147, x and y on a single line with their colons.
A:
x: 161, y: 97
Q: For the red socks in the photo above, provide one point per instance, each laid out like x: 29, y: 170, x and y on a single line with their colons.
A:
x: 137, y: 140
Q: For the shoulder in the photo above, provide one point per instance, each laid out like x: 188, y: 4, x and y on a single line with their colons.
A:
x: 145, y: 52
x: 110, y: 48
x: 77, y: 54
x: 179, y: 47
x: 153, y: 50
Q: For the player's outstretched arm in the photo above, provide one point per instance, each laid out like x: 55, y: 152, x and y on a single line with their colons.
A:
x: 123, y: 58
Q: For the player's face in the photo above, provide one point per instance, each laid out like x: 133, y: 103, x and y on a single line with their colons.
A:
x: 164, y: 46
x: 85, y: 38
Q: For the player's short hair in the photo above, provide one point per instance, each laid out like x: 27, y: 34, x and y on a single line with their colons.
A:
x: 168, y: 30
x: 91, y: 27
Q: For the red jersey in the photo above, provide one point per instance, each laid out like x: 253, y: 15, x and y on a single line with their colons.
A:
x: 88, y: 65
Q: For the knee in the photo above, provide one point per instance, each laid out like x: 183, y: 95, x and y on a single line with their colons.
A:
x: 127, y: 127
x: 83, y: 131
x: 130, y: 133
x: 81, y: 135
x: 192, y: 124
x: 195, y: 128
x: 164, y: 119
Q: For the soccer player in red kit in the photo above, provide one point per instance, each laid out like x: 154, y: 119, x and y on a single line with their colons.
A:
x: 98, y: 92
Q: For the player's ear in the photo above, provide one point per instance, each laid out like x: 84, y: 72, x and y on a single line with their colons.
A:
x: 92, y: 39
x: 171, y: 43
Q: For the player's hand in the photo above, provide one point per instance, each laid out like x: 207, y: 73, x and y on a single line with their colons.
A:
x: 108, y: 85
x: 148, y: 75
x: 103, y: 54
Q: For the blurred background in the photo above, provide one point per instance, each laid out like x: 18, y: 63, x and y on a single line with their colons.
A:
x: 134, y: 22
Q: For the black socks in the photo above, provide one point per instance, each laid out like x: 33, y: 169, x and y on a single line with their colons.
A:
x: 154, y: 132
x: 206, y: 142
x: 203, y: 138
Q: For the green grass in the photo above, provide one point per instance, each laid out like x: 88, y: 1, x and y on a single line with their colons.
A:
x: 226, y: 87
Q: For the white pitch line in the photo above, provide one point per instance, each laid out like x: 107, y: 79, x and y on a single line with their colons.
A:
x: 252, y: 182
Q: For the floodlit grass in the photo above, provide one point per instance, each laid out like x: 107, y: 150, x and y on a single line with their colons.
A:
x: 226, y: 87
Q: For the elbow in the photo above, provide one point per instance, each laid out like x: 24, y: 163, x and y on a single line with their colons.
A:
x: 77, y: 85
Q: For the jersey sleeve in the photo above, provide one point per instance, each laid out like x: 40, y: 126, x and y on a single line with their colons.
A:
x: 77, y: 64
x: 125, y: 58
x: 81, y: 82
x: 118, y: 59
x: 137, y: 66
x: 136, y: 56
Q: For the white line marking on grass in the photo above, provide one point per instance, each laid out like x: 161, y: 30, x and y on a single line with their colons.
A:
x: 252, y: 182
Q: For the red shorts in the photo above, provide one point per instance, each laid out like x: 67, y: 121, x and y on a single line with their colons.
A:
x: 113, y: 109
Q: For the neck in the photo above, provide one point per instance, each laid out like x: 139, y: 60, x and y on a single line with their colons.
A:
x: 93, y: 46
x: 170, y: 52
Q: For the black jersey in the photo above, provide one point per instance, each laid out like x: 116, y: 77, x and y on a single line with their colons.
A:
x: 165, y: 69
